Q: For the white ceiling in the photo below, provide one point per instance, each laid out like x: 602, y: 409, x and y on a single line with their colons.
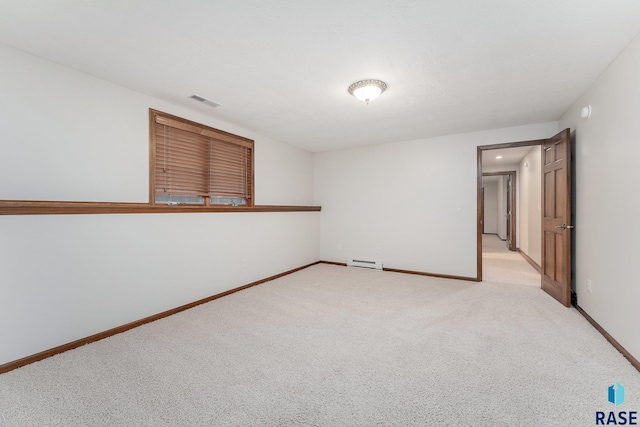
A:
x: 510, y: 156
x: 282, y: 67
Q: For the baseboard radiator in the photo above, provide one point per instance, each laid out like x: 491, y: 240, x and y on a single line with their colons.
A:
x: 360, y: 263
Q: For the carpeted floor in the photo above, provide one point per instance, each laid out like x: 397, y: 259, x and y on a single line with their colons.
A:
x: 504, y: 266
x: 335, y: 346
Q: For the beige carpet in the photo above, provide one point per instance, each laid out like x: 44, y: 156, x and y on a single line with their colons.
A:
x: 504, y: 266
x: 333, y: 346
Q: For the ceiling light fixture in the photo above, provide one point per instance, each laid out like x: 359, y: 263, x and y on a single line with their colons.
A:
x: 367, y: 90
x: 498, y: 157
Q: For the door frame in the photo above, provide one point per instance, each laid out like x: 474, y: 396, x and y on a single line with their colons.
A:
x: 481, y: 149
x: 512, y: 205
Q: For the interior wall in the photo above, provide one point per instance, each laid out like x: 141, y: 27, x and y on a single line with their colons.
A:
x: 607, y: 230
x: 391, y: 202
x: 68, y: 136
x: 490, y: 206
x: 530, y: 204
x: 502, y: 207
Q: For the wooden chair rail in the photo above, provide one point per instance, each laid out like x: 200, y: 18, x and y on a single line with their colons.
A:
x: 36, y: 207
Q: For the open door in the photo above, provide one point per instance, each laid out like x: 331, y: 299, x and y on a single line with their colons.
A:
x: 556, y: 218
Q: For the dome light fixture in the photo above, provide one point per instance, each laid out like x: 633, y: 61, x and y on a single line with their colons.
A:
x: 367, y: 90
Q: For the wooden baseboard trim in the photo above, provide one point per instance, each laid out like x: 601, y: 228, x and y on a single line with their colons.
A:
x: 419, y: 273
x: 442, y: 276
x: 341, y: 264
x: 530, y: 261
x: 102, y: 335
x: 616, y: 344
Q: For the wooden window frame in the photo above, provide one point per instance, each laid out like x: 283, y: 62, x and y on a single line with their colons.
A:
x: 159, y: 117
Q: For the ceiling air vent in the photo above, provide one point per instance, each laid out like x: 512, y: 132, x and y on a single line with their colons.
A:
x: 204, y: 100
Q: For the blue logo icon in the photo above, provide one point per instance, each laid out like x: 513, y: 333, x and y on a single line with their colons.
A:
x: 616, y: 394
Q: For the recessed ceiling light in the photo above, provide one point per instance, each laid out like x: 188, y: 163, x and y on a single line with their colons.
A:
x: 498, y: 157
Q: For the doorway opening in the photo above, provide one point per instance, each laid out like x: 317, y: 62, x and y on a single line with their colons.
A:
x: 509, y: 195
x: 499, y: 211
x: 554, y: 210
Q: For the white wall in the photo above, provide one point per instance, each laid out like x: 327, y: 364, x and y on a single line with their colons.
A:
x: 501, y: 219
x: 68, y: 136
x: 608, y: 200
x: 73, y: 137
x: 490, y: 206
x: 403, y: 198
x: 501, y: 168
x: 530, y: 204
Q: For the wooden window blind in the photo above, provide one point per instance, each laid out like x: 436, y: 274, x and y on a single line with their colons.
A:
x: 199, y: 164
x: 230, y: 170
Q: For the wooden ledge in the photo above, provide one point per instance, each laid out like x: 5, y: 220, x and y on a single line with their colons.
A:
x: 26, y: 207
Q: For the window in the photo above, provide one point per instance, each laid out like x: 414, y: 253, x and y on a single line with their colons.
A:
x: 198, y: 165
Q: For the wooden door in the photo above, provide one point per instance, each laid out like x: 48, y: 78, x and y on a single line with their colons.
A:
x: 556, y: 217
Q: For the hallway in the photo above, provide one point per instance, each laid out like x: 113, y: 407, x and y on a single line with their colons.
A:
x: 503, y: 266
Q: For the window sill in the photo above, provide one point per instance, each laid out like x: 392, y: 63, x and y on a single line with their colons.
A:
x: 25, y: 207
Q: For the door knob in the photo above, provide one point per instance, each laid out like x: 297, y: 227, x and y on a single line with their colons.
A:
x: 564, y: 227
